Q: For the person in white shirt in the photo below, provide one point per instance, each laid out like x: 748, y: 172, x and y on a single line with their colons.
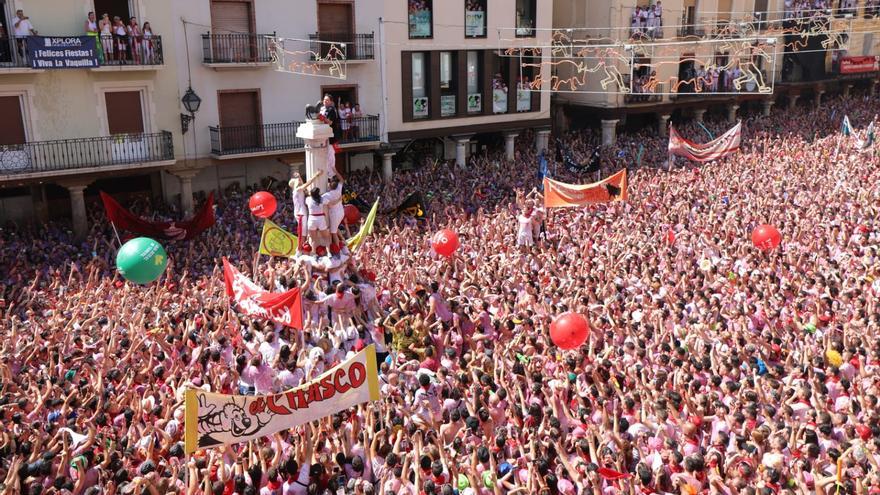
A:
x: 300, y: 211
x: 317, y: 223
x: 22, y: 28
x: 336, y: 211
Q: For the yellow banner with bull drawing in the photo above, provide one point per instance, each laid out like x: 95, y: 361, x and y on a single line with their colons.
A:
x: 217, y: 419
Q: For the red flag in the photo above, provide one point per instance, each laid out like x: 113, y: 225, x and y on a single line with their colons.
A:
x: 284, y: 308
x: 611, y: 475
x: 185, y: 230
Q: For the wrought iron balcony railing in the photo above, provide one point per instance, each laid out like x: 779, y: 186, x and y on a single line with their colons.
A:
x: 113, y: 50
x: 69, y: 154
x: 281, y: 137
x: 239, y: 48
x: 357, y: 46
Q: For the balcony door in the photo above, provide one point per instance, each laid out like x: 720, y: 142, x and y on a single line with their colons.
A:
x: 240, y: 119
x: 336, y: 23
x: 125, y: 113
x: 125, y: 120
x: 233, y: 27
x: 121, y: 8
x: 13, y: 156
x: 12, y: 131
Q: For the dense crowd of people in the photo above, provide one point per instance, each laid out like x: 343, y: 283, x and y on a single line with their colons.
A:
x: 711, y: 367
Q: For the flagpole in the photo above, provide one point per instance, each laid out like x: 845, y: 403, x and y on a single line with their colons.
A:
x: 116, y: 232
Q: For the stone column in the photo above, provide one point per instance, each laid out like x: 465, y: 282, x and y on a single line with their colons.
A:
x: 792, y: 101
x: 542, y: 140
x: 510, y: 145
x: 731, y: 113
x: 819, y: 99
x: 872, y: 87
x: 766, y: 105
x: 461, y: 150
x: 663, y: 124
x: 609, y: 132
x: 698, y: 114
x: 316, y: 136
x: 846, y: 89
x: 185, y: 176
x: 387, y: 167
x: 78, y: 210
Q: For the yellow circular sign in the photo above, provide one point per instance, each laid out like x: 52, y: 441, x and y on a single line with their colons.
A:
x: 278, y: 243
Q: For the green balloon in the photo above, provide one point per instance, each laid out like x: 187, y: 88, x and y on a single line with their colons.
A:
x: 141, y: 260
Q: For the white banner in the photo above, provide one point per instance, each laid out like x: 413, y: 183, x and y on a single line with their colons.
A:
x: 217, y: 419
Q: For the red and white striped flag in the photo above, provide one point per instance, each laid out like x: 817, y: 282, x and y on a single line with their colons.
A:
x: 726, y: 144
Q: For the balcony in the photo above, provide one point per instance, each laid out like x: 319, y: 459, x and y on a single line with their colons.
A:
x: 238, y: 50
x: 95, y: 154
x: 273, y: 139
x: 125, y: 53
x: 358, y: 47
x: 691, y: 31
x: 115, y: 53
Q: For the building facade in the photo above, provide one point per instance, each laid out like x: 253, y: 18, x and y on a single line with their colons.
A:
x: 651, y: 60
x: 453, y: 77
x: 214, y: 92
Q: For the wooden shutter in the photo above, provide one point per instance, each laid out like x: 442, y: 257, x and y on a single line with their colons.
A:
x: 512, y: 81
x: 12, y: 123
x: 230, y: 16
x: 406, y: 88
x: 489, y: 58
x: 433, y: 83
x: 334, y: 19
x: 124, y: 112
x: 461, y: 93
x: 239, y: 120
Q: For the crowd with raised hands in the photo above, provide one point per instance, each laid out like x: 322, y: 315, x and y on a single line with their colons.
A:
x: 710, y: 367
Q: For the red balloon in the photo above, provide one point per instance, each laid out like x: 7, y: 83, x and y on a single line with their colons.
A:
x: 445, y: 242
x: 263, y: 204
x: 766, y: 237
x: 569, y: 331
x: 352, y: 215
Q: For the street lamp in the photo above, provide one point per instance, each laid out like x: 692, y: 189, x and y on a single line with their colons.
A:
x: 191, y: 102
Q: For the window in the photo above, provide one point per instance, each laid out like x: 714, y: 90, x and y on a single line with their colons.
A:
x: 421, y: 18
x: 240, y: 119
x: 525, y: 18
x: 500, y: 84
x: 12, y: 130
x: 447, y: 84
x: 419, y: 86
x: 474, y: 18
x: 474, y: 95
x: 124, y: 112
x: 524, y: 94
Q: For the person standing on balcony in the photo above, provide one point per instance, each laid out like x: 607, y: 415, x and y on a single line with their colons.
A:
x: 106, y: 29
x: 134, y: 39
x: 652, y: 22
x: 149, y: 53
x: 121, y: 42
x: 345, y: 120
x: 22, y: 29
x: 356, y: 115
x: 91, y: 29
